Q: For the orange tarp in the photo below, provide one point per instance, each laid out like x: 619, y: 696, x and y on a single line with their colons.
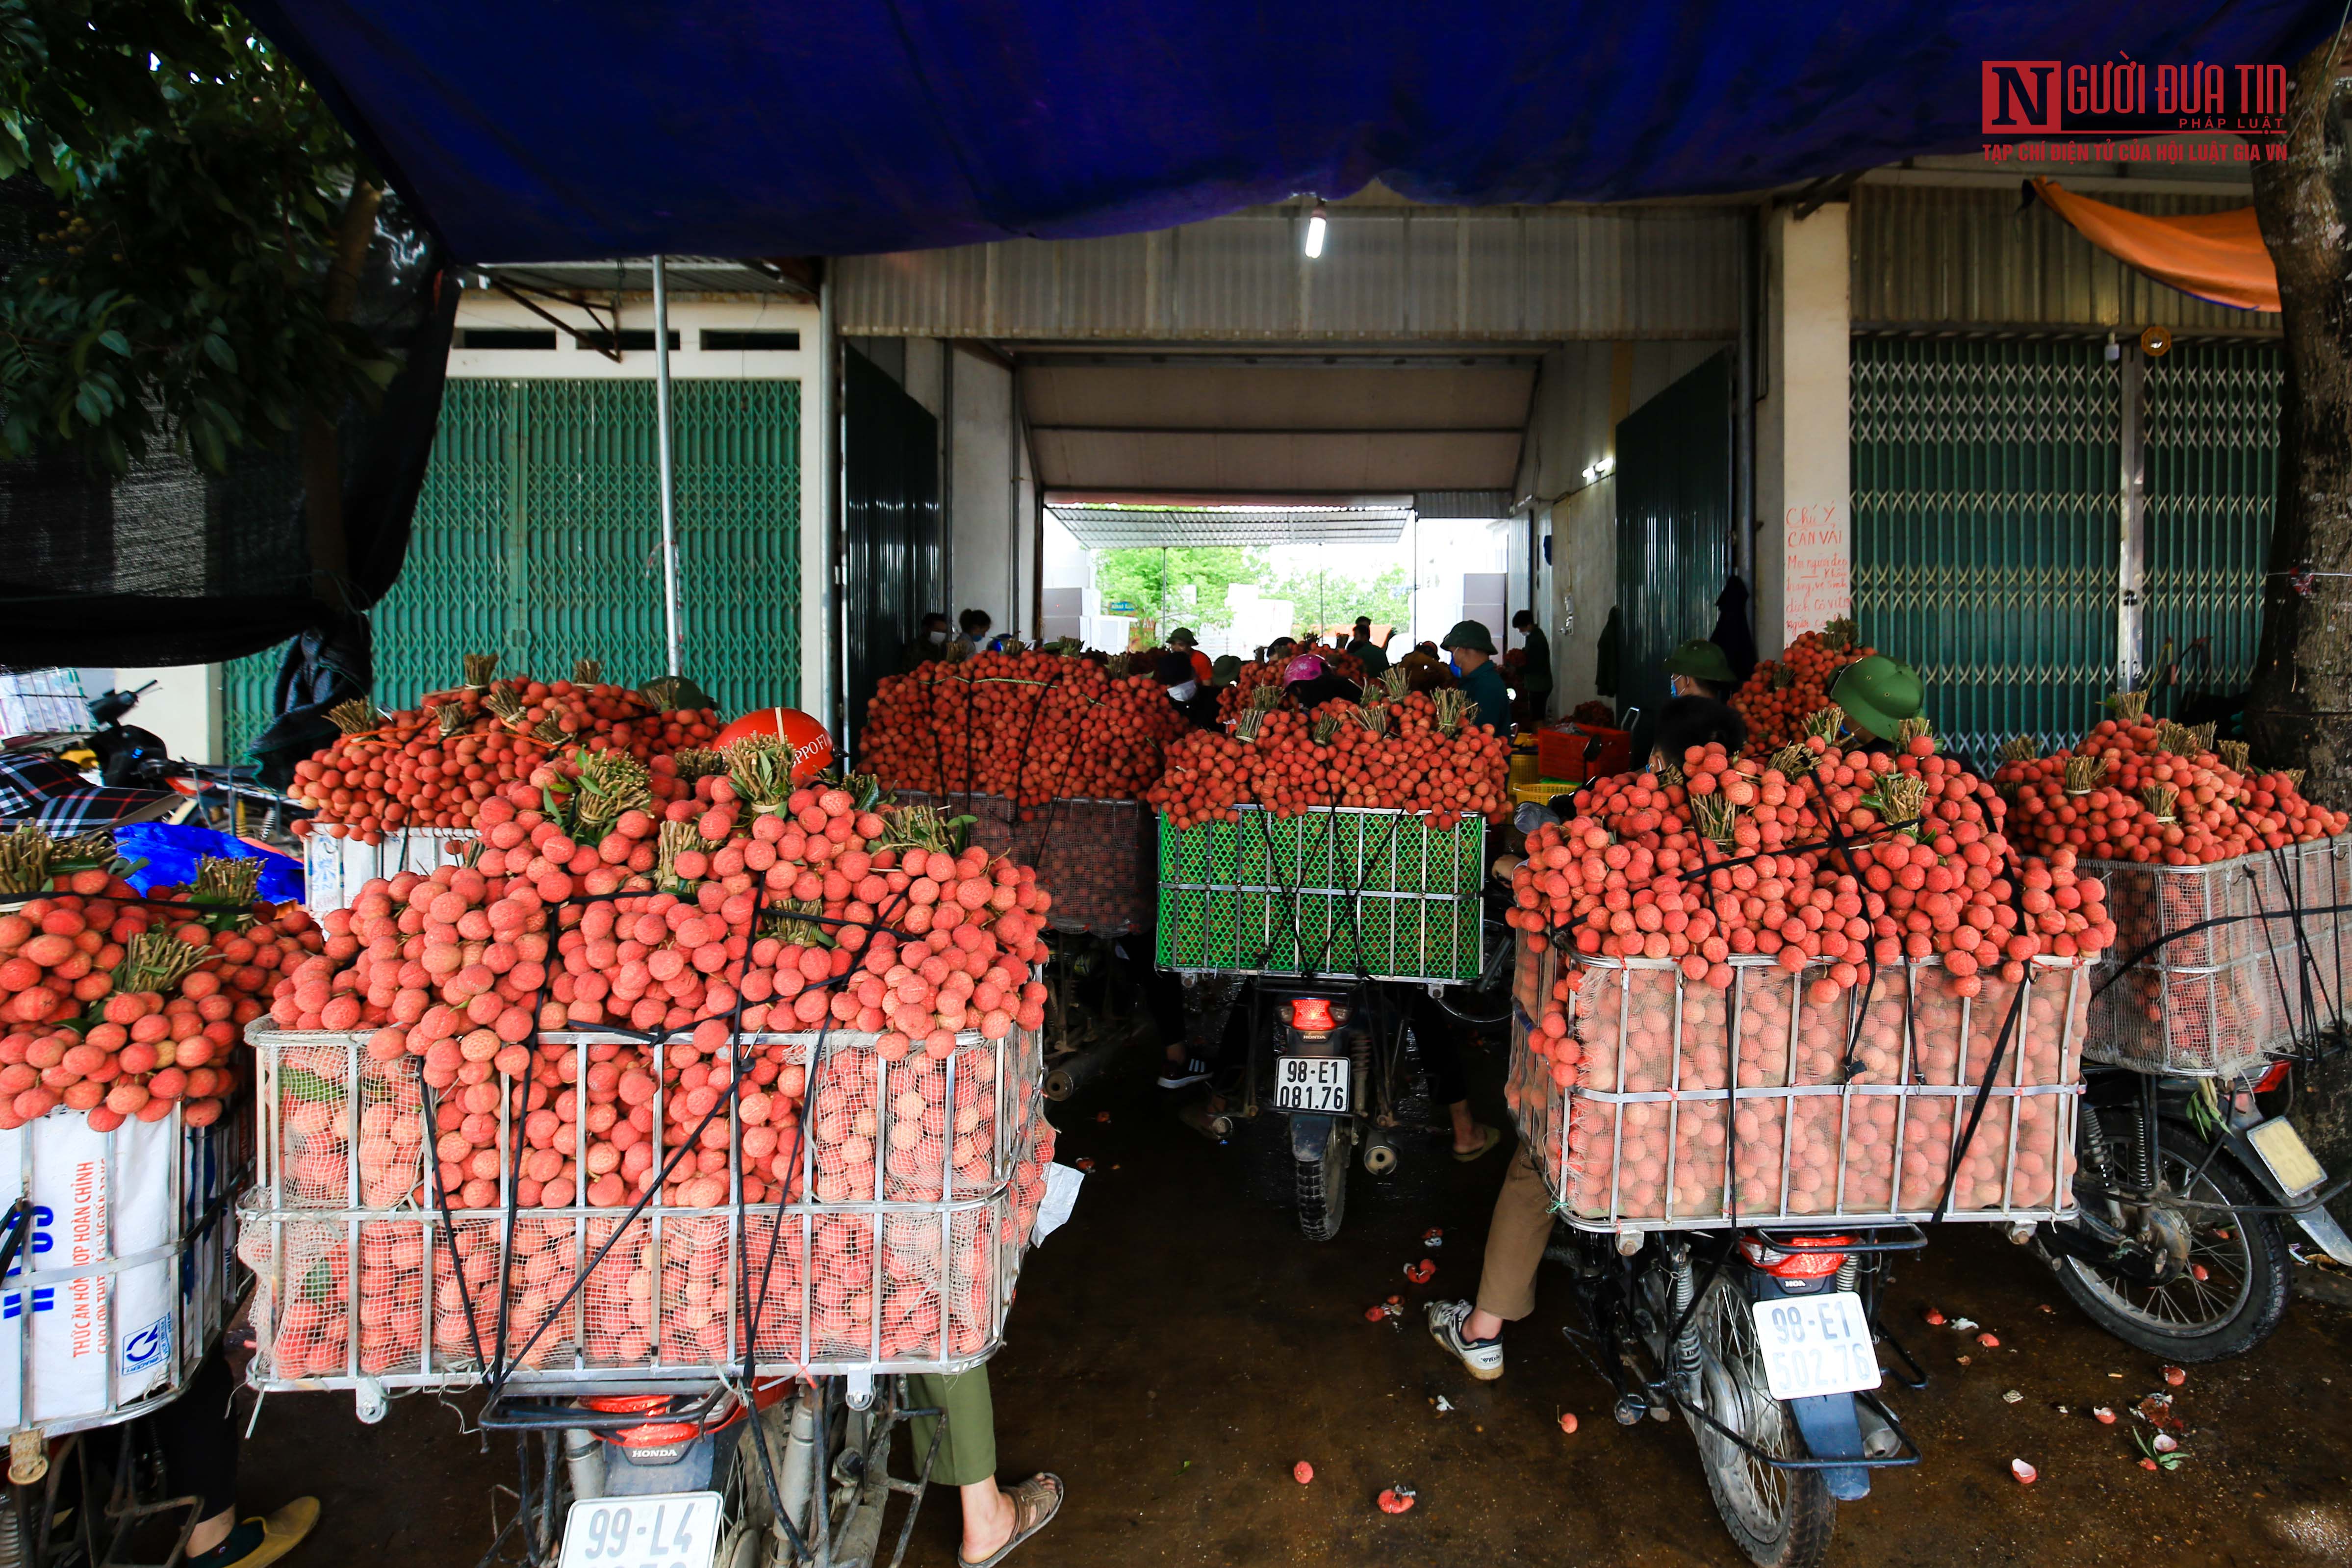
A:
x: 2217, y: 257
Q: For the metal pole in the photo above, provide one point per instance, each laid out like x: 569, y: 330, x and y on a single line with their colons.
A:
x: 2131, y: 588
x: 1743, y: 412
x: 668, y: 469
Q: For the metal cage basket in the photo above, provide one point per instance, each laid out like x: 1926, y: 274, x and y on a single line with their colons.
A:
x: 852, y: 1214
x: 1653, y: 1101
x: 124, y: 1268
x: 2216, y: 969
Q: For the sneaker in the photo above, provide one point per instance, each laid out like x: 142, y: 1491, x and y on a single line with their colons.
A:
x: 1482, y: 1358
x: 1185, y: 1074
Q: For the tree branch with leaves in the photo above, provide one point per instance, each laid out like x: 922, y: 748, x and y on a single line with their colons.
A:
x: 182, y: 222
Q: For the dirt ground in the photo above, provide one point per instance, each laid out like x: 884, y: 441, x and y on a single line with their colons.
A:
x: 1178, y: 1347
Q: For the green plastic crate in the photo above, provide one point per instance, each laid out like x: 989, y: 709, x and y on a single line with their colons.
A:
x: 1336, y: 892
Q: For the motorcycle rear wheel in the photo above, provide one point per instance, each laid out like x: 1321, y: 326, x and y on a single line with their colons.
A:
x: 2243, y: 1296
x: 1322, y: 1185
x: 1781, y: 1519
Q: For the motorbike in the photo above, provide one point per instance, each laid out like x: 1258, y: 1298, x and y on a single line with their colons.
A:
x: 2184, y: 1187
x: 1337, y: 1056
x: 785, y: 1473
x: 1765, y: 1341
x: 125, y: 757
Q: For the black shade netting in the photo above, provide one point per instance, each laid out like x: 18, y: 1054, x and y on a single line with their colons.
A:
x: 174, y: 564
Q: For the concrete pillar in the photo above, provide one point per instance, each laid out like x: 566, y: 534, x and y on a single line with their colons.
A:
x: 1804, y: 480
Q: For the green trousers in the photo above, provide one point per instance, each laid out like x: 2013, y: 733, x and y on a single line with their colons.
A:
x: 968, y: 1447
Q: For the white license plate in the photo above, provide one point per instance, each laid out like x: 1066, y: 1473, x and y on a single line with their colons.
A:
x: 1310, y: 1083
x: 1816, y: 1344
x: 669, y: 1529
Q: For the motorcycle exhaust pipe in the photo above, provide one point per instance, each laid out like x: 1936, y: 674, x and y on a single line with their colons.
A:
x: 1879, y: 1440
x: 1079, y: 1070
x: 1379, y: 1152
x: 584, y: 1462
x: 798, y: 1482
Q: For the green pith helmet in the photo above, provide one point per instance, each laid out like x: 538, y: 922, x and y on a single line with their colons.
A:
x: 1472, y: 635
x: 1701, y: 661
x: 1877, y: 694
x: 1182, y: 637
x: 1225, y: 671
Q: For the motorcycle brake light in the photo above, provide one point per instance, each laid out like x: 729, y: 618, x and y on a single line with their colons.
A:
x: 1311, y: 1013
x: 2273, y: 1076
x: 1799, y: 1257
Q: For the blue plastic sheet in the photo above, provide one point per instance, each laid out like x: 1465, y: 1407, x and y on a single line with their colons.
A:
x: 542, y: 130
x: 171, y: 852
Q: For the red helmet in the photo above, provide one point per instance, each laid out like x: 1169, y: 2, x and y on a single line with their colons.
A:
x: 812, y: 747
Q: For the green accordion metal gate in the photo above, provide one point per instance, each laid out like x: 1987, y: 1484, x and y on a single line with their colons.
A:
x: 537, y: 536
x: 2211, y: 486
x: 1985, y: 526
x: 1989, y: 522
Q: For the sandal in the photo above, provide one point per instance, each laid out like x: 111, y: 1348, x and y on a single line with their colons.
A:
x: 1487, y: 1138
x: 1036, y: 1501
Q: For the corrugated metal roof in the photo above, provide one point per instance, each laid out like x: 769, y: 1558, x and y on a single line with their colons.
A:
x: 1969, y: 258
x: 635, y: 275
x: 1463, y: 503
x: 1443, y: 274
x: 1366, y: 520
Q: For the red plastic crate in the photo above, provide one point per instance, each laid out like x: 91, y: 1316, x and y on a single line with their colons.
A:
x: 1561, y: 748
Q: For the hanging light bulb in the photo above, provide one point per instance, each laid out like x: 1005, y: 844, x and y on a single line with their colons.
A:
x: 1316, y: 225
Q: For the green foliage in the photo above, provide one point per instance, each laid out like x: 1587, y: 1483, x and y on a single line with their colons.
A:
x: 178, y: 189
x: 1323, y: 598
x: 1197, y: 578
x: 1194, y: 577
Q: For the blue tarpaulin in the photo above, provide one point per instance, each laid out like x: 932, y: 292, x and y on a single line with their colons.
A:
x: 169, y: 854
x: 552, y: 130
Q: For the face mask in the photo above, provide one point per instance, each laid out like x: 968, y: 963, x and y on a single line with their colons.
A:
x: 1455, y: 665
x: 1183, y: 693
x: 937, y: 638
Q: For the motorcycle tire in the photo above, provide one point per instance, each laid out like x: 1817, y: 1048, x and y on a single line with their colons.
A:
x: 2190, y: 1320
x: 1781, y: 1519
x: 1322, y: 1185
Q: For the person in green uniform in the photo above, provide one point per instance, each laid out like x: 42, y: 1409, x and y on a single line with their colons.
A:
x: 1473, y: 647
x: 1877, y: 694
x: 1698, y: 669
x: 1535, y: 678
x: 995, y: 1519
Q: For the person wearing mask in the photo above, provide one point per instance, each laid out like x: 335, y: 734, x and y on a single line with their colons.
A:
x: 928, y: 645
x: 1372, y: 656
x: 1182, y: 640
x: 1535, y: 675
x: 1471, y: 1331
x: 975, y: 625
x: 1473, y: 647
x: 1313, y: 682
x: 1193, y: 699
x: 1699, y: 669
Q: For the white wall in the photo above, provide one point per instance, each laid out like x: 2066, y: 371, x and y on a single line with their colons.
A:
x: 988, y: 540
x: 1804, y: 483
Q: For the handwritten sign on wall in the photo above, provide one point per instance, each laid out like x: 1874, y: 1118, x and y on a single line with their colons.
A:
x: 1816, y: 568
